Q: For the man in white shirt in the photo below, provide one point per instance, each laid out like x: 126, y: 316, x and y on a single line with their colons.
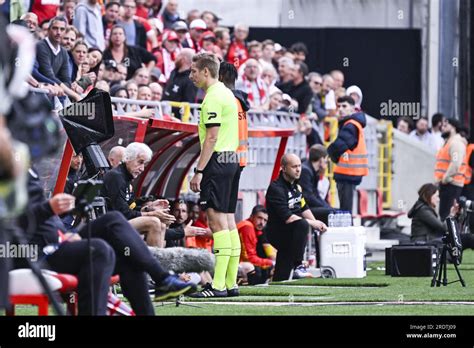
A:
x: 422, y: 133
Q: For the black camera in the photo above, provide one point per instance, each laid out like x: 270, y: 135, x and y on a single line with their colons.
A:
x: 465, y: 203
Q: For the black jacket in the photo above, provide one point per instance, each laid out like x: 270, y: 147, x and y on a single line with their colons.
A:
x: 243, y: 99
x: 174, y: 235
x: 179, y: 87
x: 39, y: 221
x: 283, y: 200
x: 135, y: 57
x: 347, y: 139
x: 309, y: 183
x: 302, y: 93
x: 118, y: 192
x: 425, y: 224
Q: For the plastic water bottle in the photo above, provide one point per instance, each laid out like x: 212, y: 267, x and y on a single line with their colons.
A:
x: 349, y: 219
x: 346, y: 220
x: 338, y: 219
x: 331, y: 220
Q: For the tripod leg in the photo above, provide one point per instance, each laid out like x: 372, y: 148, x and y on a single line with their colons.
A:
x: 459, y: 275
x: 441, y: 263
x: 445, y: 270
x: 437, y: 269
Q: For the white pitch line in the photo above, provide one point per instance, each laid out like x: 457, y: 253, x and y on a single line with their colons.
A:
x: 324, y: 287
x: 309, y: 304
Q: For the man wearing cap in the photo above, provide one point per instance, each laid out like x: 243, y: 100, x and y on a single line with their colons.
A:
x: 208, y: 42
x: 196, y: 29
x: 181, y: 29
x: 450, y: 168
x: 238, y: 53
x: 166, y: 58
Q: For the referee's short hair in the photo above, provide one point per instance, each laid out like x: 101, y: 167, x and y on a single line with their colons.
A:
x: 209, y: 61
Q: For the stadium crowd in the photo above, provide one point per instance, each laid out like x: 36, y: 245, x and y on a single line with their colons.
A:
x: 143, y: 50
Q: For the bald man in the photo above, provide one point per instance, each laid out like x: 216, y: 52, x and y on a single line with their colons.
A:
x: 116, y: 156
x: 289, y: 220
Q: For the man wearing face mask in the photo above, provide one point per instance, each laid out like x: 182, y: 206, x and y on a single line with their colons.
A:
x: 450, y: 168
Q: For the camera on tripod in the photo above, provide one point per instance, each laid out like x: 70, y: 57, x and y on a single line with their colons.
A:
x: 465, y: 204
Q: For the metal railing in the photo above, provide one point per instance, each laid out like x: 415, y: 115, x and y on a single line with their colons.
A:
x: 385, y: 162
x: 330, y: 134
x: 263, y: 150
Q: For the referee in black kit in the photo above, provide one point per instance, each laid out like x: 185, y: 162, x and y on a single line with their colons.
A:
x: 289, y: 220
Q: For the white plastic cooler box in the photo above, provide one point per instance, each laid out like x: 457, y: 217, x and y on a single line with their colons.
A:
x: 343, y: 249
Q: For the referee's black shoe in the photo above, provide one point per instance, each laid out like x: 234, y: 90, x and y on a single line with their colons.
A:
x: 233, y: 292
x: 208, y: 291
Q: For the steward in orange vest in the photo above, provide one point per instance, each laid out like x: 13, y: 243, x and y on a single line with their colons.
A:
x: 445, y: 162
x: 228, y: 75
x: 468, y: 174
x: 243, y: 106
x: 450, y: 168
x: 349, y: 153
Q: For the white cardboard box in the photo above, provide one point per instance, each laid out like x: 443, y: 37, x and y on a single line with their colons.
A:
x: 343, y: 249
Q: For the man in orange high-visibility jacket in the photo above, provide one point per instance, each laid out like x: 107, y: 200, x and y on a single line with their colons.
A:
x: 450, y: 168
x: 349, y: 152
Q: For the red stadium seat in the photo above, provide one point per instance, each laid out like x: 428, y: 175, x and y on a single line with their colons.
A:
x: 67, y: 288
x: 381, y: 218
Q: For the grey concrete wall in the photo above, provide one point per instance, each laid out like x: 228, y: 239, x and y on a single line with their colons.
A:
x: 413, y: 166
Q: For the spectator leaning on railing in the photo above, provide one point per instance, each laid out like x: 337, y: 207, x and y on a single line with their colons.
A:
x: 298, y: 88
x: 253, y: 85
x: 179, y: 87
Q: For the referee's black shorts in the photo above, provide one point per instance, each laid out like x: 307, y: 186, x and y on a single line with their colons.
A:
x: 220, y: 183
